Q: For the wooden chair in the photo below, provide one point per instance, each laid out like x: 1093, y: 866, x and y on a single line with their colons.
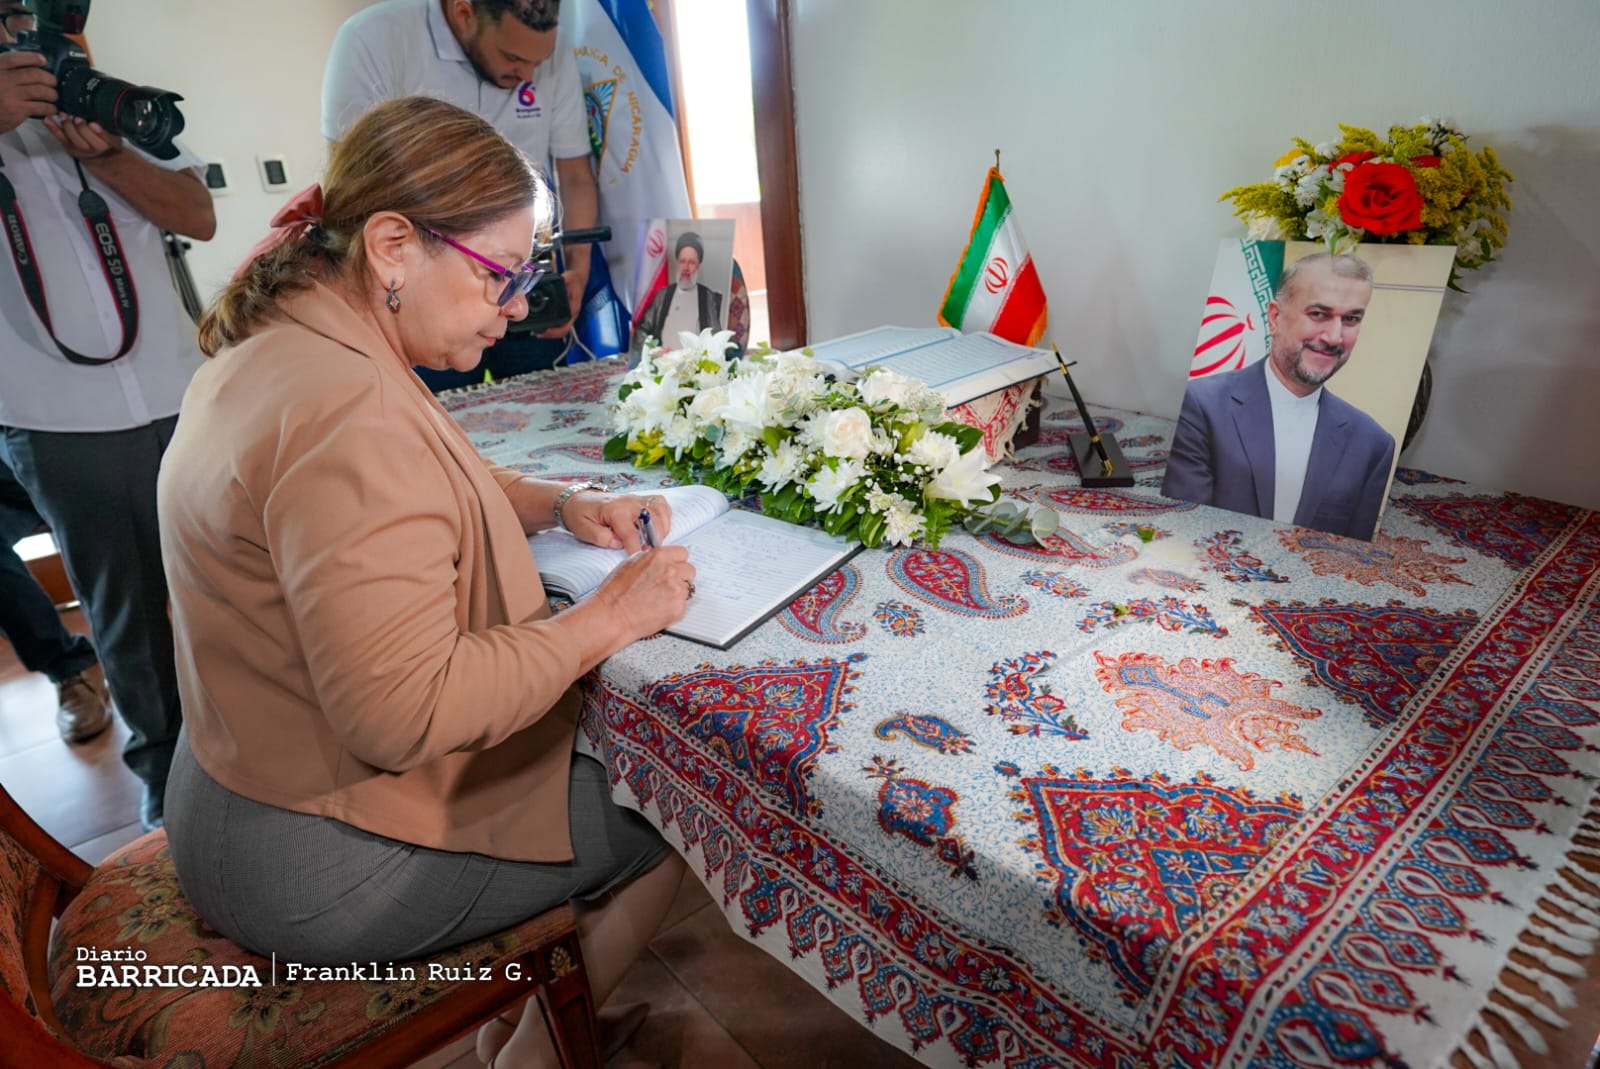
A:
x: 132, y: 903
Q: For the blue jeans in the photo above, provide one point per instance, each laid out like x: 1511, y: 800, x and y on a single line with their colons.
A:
x: 27, y: 618
x: 515, y: 354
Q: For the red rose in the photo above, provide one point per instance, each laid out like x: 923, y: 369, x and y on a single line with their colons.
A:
x: 1381, y: 198
x: 1357, y: 158
x: 1425, y: 161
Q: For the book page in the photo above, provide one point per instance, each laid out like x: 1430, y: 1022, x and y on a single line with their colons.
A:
x: 872, y: 346
x: 971, y: 365
x: 576, y: 569
x: 747, y: 566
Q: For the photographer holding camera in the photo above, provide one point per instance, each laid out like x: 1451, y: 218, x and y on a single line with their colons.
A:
x: 497, y: 59
x: 96, y: 350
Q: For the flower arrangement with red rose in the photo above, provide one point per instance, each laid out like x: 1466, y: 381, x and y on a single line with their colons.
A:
x: 1422, y: 186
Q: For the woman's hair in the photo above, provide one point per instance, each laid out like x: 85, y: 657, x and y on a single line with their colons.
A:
x: 439, y: 166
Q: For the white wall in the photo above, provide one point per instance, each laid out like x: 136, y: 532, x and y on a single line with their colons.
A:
x: 1120, y: 123
x: 251, y: 77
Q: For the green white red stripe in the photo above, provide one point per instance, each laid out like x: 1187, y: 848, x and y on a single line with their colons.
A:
x: 995, y: 287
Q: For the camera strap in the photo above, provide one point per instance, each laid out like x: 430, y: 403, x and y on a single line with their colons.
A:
x: 103, y: 235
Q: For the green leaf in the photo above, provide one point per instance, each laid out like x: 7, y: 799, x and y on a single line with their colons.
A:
x: 625, y: 389
x: 872, y: 531
x: 616, y: 448
x: 967, y: 437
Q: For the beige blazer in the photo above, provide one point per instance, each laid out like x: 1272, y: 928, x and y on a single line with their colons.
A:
x: 361, y: 632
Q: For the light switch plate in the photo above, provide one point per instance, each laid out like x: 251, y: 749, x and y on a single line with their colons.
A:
x: 274, y: 173
x: 216, y: 178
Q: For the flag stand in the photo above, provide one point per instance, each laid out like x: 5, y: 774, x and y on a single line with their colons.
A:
x: 1099, y: 458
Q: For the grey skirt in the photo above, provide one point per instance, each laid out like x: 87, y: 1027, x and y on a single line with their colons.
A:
x: 317, y: 891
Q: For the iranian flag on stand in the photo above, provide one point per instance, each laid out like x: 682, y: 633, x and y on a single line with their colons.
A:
x: 996, y: 289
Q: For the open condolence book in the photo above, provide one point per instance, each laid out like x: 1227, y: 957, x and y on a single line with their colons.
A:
x: 747, y: 566
x: 963, y: 367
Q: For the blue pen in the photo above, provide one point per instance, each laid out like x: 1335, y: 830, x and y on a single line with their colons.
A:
x: 647, y: 532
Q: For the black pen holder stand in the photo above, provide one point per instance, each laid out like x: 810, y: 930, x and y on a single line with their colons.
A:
x: 1091, y: 469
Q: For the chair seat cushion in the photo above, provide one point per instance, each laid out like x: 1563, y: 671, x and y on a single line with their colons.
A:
x: 132, y: 904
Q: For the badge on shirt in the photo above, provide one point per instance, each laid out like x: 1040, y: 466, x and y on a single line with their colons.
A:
x: 528, y: 106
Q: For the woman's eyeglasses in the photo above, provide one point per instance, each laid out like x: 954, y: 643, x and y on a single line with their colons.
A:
x: 519, y: 281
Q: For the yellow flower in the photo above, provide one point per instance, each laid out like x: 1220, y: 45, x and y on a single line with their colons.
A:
x: 1288, y: 157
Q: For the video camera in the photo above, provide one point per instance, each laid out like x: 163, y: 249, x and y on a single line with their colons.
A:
x: 144, y: 115
x: 547, y: 301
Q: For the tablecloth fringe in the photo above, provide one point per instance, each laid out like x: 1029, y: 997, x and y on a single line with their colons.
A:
x: 1499, y: 1055
x: 1565, y: 921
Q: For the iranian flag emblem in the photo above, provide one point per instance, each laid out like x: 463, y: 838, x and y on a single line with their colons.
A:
x: 995, y: 287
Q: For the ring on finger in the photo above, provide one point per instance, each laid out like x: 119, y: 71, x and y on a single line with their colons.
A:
x: 691, y: 586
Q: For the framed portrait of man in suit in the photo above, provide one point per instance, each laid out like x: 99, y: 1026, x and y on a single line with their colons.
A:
x: 1302, y: 422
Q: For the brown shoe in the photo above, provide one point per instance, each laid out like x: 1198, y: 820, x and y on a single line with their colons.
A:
x: 84, y: 705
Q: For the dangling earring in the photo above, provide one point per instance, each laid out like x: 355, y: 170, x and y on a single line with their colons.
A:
x: 393, y: 300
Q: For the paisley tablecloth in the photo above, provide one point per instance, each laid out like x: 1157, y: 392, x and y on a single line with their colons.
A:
x: 1177, y: 788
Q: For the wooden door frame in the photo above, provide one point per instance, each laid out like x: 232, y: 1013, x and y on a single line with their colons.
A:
x: 777, y: 168
x: 777, y: 171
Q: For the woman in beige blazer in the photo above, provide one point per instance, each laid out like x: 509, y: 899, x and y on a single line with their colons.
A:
x: 379, y: 705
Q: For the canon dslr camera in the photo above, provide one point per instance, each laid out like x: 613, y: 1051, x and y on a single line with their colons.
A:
x: 146, y: 116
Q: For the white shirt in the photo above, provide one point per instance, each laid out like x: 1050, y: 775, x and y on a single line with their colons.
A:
x: 405, y: 48
x: 1294, y: 424
x: 683, y: 314
x: 39, y: 388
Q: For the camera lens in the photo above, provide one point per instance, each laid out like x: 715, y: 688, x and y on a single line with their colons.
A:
x: 146, y: 116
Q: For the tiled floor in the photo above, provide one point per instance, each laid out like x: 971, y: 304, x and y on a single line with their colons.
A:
x: 717, y: 1002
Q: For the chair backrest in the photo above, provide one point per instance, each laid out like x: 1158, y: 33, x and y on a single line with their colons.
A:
x: 38, y: 877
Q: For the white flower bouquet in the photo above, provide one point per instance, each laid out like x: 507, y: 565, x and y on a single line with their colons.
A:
x: 873, y: 459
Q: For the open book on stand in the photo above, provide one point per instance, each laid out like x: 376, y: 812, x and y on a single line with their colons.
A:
x: 963, y: 367
x: 747, y: 566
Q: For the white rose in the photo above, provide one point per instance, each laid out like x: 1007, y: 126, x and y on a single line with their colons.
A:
x: 828, y: 485
x: 965, y: 480
x: 669, y: 363
x: 705, y: 404
x: 795, y: 363
x: 881, y: 385
x: 847, y: 433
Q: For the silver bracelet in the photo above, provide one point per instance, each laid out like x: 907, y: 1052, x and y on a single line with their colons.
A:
x: 568, y: 493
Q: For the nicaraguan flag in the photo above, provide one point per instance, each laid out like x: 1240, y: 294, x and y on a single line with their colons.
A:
x: 602, y: 323
x: 995, y: 287
x: 633, y: 128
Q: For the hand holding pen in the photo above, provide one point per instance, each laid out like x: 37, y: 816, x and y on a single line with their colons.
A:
x: 612, y: 520
x: 647, y: 535
x: 646, y: 529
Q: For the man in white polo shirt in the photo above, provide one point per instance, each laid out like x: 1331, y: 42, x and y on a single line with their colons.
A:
x: 1268, y: 439
x: 85, y: 438
x: 499, y: 60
